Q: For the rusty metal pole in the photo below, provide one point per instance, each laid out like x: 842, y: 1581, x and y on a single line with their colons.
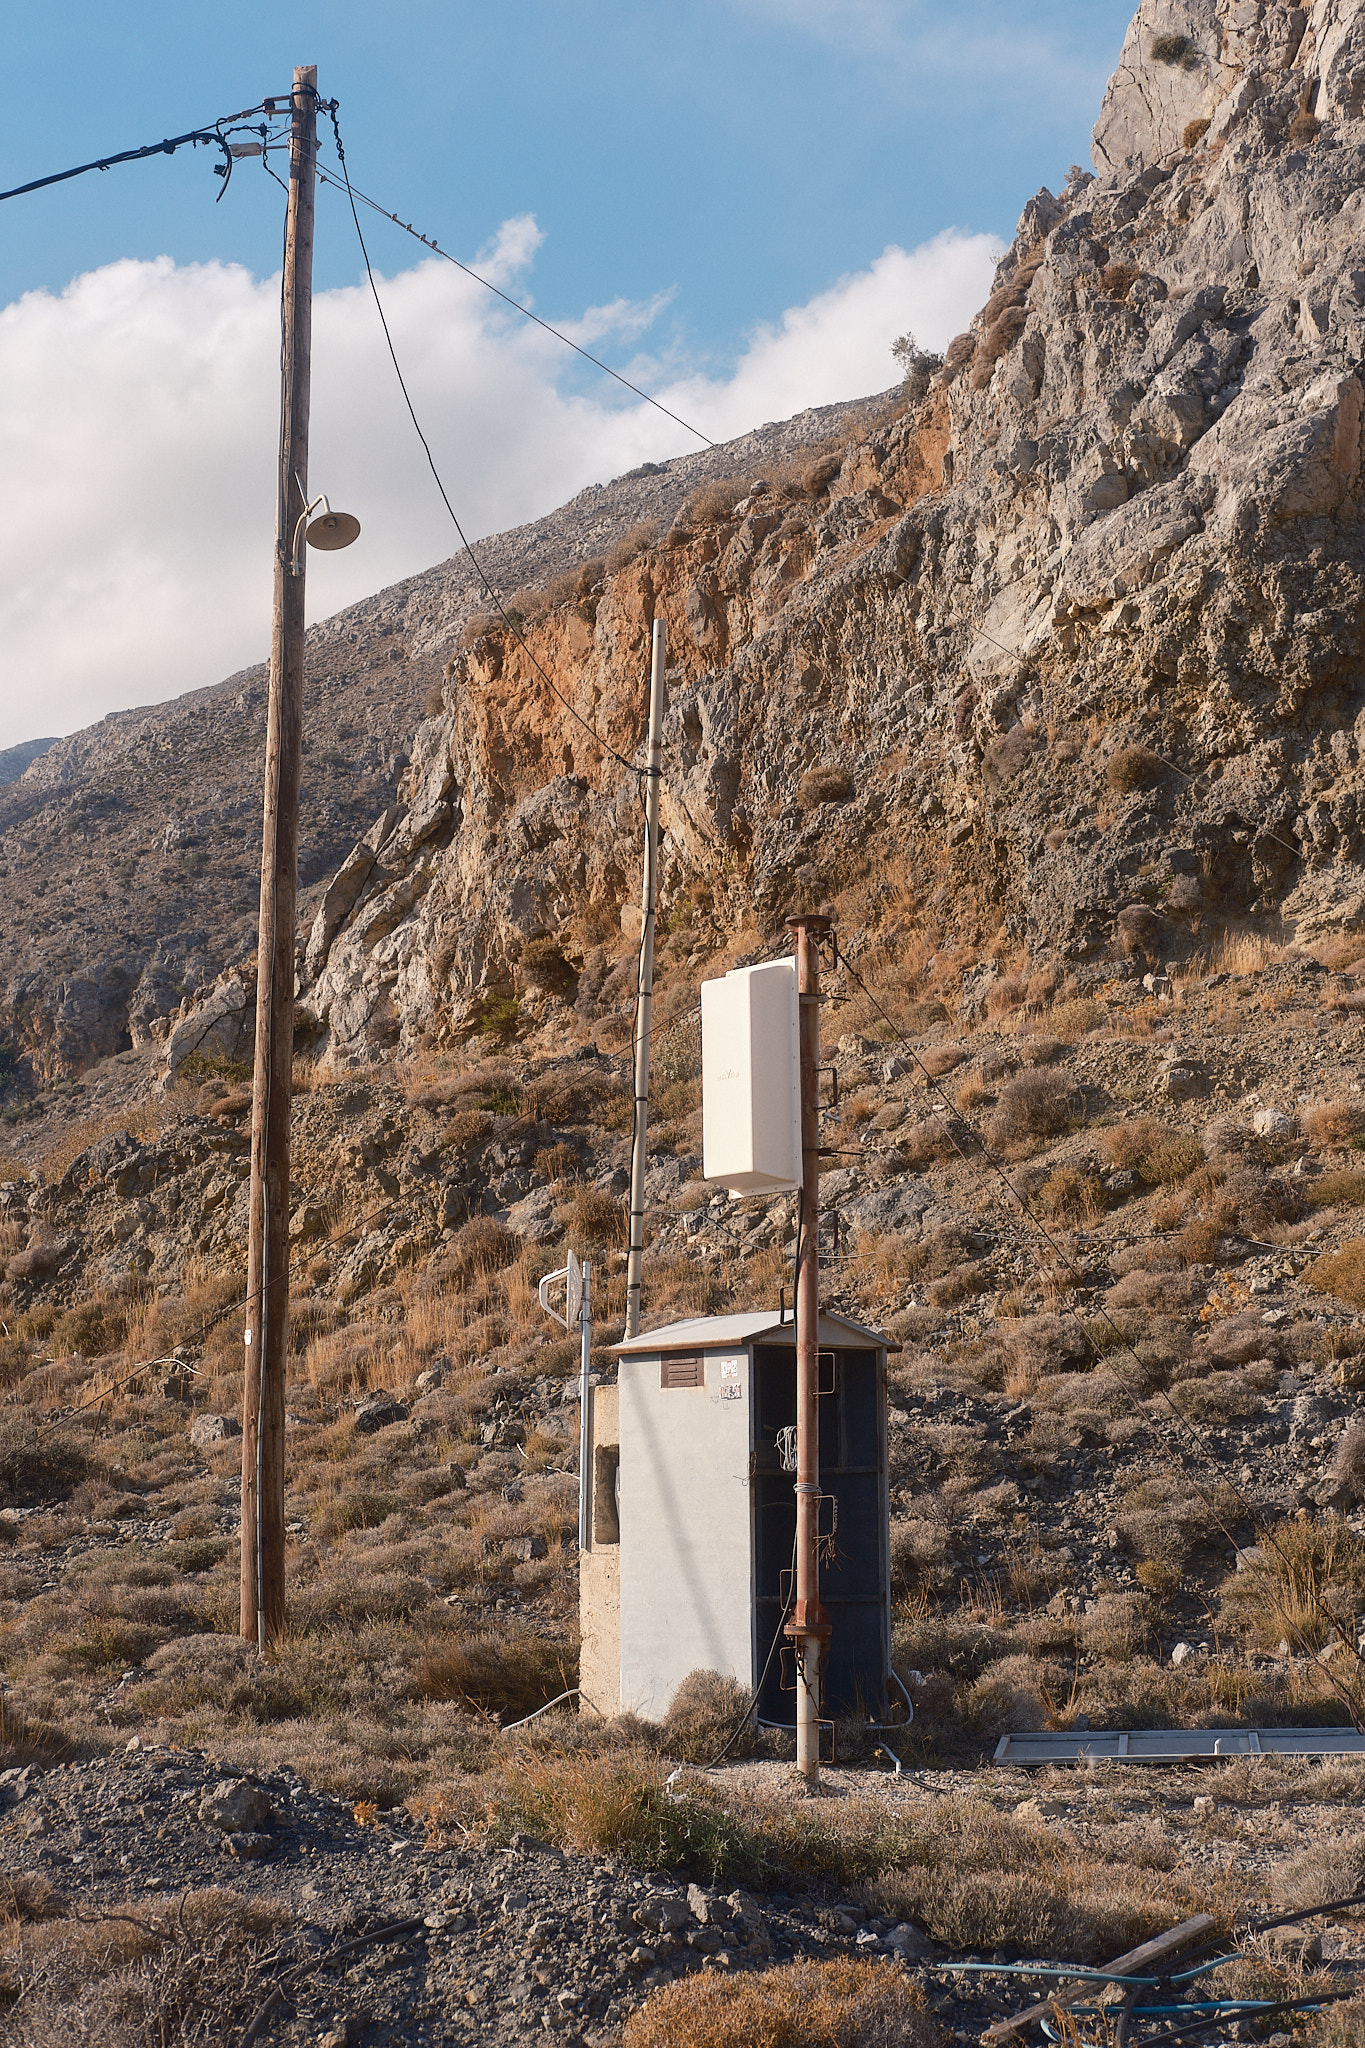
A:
x: 808, y: 1625
x: 267, y: 1314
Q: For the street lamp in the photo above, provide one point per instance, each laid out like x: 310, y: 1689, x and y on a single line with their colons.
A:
x: 329, y: 531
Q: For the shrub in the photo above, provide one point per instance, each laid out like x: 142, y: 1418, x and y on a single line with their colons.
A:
x: 556, y: 1162
x: 1075, y: 1017
x: 36, y: 1467
x: 1039, y: 1104
x: 1340, y: 1273
x: 1333, y: 1124
x: 509, y: 1674
x: 714, y: 501
x: 1160, y: 1156
x: 1116, y: 281
x: 1341, y: 1190
x: 1138, y: 930
x: 1007, y: 754
x: 1194, y: 132
x: 1071, y: 1195
x: 845, y: 2004
x: 1346, y: 1475
x: 633, y: 542
x: 478, y: 1248
x: 918, y: 366
x: 828, y: 785
x: 619, y: 1805
x: 1134, y: 768
x: 598, y: 1219
x: 543, y: 964
x: 1302, y: 1579
x: 940, y: 1059
x: 1174, y: 50
x: 704, y: 1714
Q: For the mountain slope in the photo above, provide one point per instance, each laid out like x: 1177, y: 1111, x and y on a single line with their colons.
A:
x: 129, y: 852
x: 1074, y: 650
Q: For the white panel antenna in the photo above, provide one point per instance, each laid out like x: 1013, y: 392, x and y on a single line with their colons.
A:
x: 751, y: 1079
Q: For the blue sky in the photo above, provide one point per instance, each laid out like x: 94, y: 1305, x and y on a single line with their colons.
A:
x: 743, y: 153
x: 761, y: 192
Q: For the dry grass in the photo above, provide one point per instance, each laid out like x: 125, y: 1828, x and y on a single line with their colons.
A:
x: 1134, y: 767
x: 1340, y: 1273
x: 143, y: 1121
x: 802, y: 2005
x: 1033, y: 1106
x: 143, y: 1976
x: 1162, y: 1157
x: 1333, y: 1124
x: 1308, y: 1578
x: 507, y: 1675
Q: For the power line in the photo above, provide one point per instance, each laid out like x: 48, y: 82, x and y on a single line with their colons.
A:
x: 330, y: 107
x: 1123, y: 1343
x: 214, y: 137
x: 428, y: 242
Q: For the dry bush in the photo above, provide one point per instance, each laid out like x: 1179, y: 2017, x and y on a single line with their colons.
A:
x: 598, y: 1219
x: 1340, y: 2026
x: 634, y: 541
x: 1327, y: 1870
x: 940, y: 1059
x: 1163, y: 1518
x: 1340, y: 1273
x: 1007, y: 754
x: 509, y: 1674
x: 1036, y: 1105
x: 713, y: 502
x: 1134, y: 767
x: 829, y: 784
x: 35, y: 1467
x: 1071, y: 1195
x: 618, y: 1804
x: 843, y: 2004
x: 1332, y: 1124
x: 1223, y: 1396
x: 145, y: 1975
x: 556, y: 1162
x: 704, y: 1714
x: 1346, y: 1474
x: 1138, y: 930
x: 1161, y: 1157
x: 1116, y: 281
x: 1194, y: 132
x: 1076, y: 1017
x: 1344, y: 1189
x: 480, y: 1247
x: 1304, y: 1579
x: 1006, y: 993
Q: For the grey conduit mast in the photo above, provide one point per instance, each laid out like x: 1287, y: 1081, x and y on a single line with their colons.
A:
x: 645, y: 1004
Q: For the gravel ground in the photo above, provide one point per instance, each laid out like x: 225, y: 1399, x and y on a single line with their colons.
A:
x: 504, y: 1945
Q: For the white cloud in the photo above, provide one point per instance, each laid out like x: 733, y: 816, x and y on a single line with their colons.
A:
x: 138, y: 428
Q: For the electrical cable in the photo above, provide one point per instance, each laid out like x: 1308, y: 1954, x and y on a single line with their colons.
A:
x: 210, y: 137
x: 1182, y: 1423
x: 330, y: 108
x: 428, y: 242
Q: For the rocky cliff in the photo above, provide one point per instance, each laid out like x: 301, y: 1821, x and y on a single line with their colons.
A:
x: 129, y: 852
x: 1071, y: 649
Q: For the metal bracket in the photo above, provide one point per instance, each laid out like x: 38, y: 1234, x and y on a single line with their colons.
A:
x: 833, y: 1073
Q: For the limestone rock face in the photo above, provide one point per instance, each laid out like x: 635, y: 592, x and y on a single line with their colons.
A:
x: 1076, y: 643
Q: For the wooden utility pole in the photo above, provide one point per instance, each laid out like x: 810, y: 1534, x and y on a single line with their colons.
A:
x: 808, y: 1625
x: 267, y: 1315
x: 645, y: 989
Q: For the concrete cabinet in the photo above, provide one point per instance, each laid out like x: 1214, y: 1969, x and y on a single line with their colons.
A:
x: 694, y: 1517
